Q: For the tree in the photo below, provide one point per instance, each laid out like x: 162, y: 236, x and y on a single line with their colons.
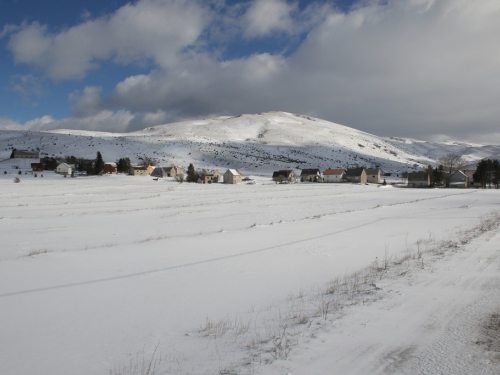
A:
x: 98, y: 163
x: 123, y: 165
x: 495, y: 168
x: 452, y: 162
x: 146, y: 161
x: 192, y: 175
x: 484, y: 173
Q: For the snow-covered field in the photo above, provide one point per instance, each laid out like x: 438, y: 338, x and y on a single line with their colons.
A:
x: 97, y: 272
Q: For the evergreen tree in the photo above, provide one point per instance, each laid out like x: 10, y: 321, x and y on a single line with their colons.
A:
x: 495, y: 173
x: 123, y: 165
x: 484, y: 173
x: 192, y: 176
x: 98, y: 163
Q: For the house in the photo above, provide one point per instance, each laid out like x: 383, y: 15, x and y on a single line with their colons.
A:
x: 109, y: 168
x: 459, y: 180
x: 310, y: 175
x: 419, y: 179
x: 284, y: 175
x: 66, y: 169
x: 37, y: 167
x: 232, y: 176
x: 333, y: 175
x: 356, y: 175
x: 159, y: 172
x: 173, y: 171
x: 138, y: 170
x: 373, y: 175
x: 210, y: 177
x: 470, y: 173
x: 25, y: 154
x: 150, y: 169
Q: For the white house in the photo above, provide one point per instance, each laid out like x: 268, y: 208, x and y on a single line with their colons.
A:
x: 232, y: 176
x: 66, y: 169
x: 333, y: 175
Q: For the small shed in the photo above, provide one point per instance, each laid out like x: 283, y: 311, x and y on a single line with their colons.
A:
x: 333, y: 175
x: 419, y: 179
x: 37, y: 167
x: 232, y: 176
x: 356, y: 175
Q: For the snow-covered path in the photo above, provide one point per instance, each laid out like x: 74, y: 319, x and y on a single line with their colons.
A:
x: 429, y: 322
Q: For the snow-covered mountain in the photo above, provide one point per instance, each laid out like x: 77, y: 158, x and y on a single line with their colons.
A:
x: 256, y: 144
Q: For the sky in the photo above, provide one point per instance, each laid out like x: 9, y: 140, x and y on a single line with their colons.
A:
x: 425, y: 69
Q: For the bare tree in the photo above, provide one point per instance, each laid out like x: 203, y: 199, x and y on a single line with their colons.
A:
x: 452, y: 162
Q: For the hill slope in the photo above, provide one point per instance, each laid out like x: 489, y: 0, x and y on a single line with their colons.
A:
x: 256, y: 144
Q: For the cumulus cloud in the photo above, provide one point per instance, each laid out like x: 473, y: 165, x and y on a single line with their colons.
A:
x: 265, y: 16
x: 419, y: 68
x: 156, y: 30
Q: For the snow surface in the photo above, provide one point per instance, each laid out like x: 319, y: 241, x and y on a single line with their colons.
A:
x: 254, y: 144
x: 95, y: 271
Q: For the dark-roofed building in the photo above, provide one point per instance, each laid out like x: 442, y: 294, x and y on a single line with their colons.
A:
x: 459, y: 180
x: 310, y: 175
x: 284, y: 175
x: 419, y: 179
x: 470, y: 173
x: 138, y: 170
x: 25, y: 154
x: 357, y: 175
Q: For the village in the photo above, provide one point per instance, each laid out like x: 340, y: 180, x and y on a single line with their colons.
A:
x: 453, y: 174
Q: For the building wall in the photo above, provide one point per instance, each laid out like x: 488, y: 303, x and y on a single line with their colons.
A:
x: 333, y: 178
x: 418, y: 184
x: 373, y: 179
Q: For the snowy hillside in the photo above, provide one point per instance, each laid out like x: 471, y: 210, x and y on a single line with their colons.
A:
x: 255, y: 144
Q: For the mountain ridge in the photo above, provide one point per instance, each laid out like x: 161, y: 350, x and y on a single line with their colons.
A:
x: 254, y: 143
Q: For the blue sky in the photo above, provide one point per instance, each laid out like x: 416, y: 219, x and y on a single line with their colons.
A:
x: 418, y: 68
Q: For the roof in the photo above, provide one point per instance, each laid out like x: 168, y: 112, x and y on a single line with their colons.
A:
x: 354, y: 171
x: 67, y: 165
x: 234, y: 172
x: 333, y: 172
x: 282, y: 172
x: 469, y: 173
x: 112, y: 164
x: 459, y: 172
x: 139, y: 168
x: 372, y: 170
x: 26, y: 152
x: 310, y: 171
x: 37, y: 164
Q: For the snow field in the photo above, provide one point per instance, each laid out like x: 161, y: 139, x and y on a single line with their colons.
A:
x: 121, y: 264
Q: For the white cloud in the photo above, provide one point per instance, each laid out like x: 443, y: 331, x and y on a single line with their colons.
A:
x: 408, y: 67
x: 156, y: 30
x: 266, y: 16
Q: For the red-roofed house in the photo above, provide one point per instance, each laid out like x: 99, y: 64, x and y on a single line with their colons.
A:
x: 333, y: 175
